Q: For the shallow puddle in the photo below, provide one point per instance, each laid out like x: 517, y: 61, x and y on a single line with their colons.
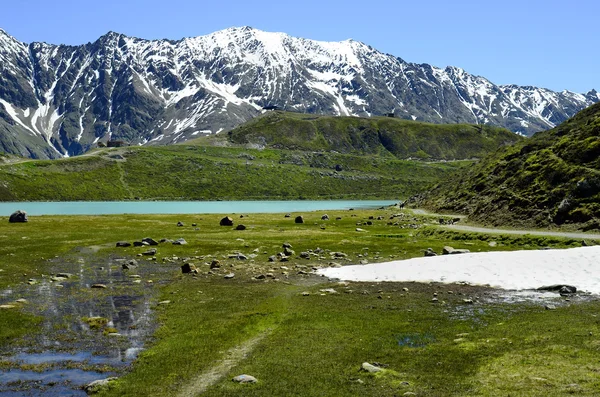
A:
x: 87, y: 333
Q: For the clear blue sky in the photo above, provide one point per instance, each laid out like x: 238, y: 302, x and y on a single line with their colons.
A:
x: 551, y: 43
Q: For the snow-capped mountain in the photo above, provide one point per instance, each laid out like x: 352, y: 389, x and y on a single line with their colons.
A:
x: 58, y: 100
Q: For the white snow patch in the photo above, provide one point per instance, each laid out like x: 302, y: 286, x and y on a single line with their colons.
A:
x: 514, y: 270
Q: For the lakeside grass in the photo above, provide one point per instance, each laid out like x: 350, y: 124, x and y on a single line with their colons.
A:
x: 314, y: 345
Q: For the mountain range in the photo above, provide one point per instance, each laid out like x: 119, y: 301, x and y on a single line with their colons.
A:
x: 59, y: 101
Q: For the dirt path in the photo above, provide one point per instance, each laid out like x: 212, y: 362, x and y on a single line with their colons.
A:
x: 232, y: 358
x: 465, y: 228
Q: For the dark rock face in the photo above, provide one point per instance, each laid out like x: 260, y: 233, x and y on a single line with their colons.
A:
x: 138, y: 91
x: 18, y: 217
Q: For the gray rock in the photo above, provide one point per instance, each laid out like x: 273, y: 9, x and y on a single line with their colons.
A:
x: 325, y: 217
x: 370, y: 368
x: 180, y: 241
x: 229, y: 276
x: 18, y: 217
x: 430, y: 252
x: 305, y: 255
x: 123, y: 244
x: 245, y: 379
x: 288, y: 251
x: 272, y: 258
x: 215, y: 264
x: 560, y: 288
x: 447, y: 250
x: 98, y: 385
x: 99, y: 286
x: 550, y: 307
x: 180, y: 224
x: 150, y: 252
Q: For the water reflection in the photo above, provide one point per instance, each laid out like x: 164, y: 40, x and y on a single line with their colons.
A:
x: 71, y: 350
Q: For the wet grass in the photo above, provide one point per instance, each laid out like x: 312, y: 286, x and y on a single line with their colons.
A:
x: 315, y: 341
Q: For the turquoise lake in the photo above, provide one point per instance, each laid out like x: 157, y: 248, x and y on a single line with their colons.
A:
x: 184, y: 207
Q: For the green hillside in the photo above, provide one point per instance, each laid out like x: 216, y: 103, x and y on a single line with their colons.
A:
x: 551, y: 179
x: 216, y: 173
x: 382, y: 136
x: 276, y: 156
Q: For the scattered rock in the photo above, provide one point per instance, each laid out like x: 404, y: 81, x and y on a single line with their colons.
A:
x: 550, y: 307
x: 229, y: 276
x: 299, y: 219
x: 288, y: 251
x: 328, y: 291
x: 240, y: 227
x: 180, y: 241
x: 132, y: 264
x: 18, y: 217
x: 305, y: 255
x: 227, y: 221
x: 6, y: 307
x: 150, y: 241
x: 22, y: 301
x: 430, y: 252
x: 215, y: 264
x: 358, y: 229
x: 468, y: 301
x: 447, y: 250
x: 163, y: 303
x: 188, y: 268
x: 98, y: 385
x: 306, y: 293
x: 370, y: 368
x: 492, y: 244
x: 123, y: 244
x: 288, y: 215
x: 140, y: 244
x: 286, y: 245
x: 99, y: 286
x: 180, y: 224
x: 560, y: 288
x: 150, y: 252
x: 272, y: 258
x: 245, y: 379
x: 325, y: 217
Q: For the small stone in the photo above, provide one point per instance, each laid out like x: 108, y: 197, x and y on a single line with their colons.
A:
x: 358, y: 229
x: 215, y: 264
x: 245, y: 379
x: 305, y: 255
x: 179, y: 224
x: 99, y: 286
x: 229, y: 276
x: 240, y: 227
x: 150, y: 252
x: 550, y: 307
x: 468, y: 301
x: 306, y: 293
x: 123, y: 244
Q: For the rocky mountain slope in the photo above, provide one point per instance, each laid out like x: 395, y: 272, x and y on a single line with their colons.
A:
x: 550, y: 179
x: 58, y: 101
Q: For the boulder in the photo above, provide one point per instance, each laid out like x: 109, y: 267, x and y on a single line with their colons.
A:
x: 179, y: 224
x: 430, y: 252
x: 227, y: 221
x: 240, y: 227
x: 180, y: 241
x: 325, y: 217
x: 150, y: 252
x: 299, y: 219
x: 18, y: 217
x: 367, y: 367
x: 123, y: 244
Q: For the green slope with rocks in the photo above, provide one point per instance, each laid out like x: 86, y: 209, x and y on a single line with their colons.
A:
x: 550, y: 179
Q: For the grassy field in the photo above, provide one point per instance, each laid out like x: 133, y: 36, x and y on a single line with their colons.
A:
x: 277, y: 321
